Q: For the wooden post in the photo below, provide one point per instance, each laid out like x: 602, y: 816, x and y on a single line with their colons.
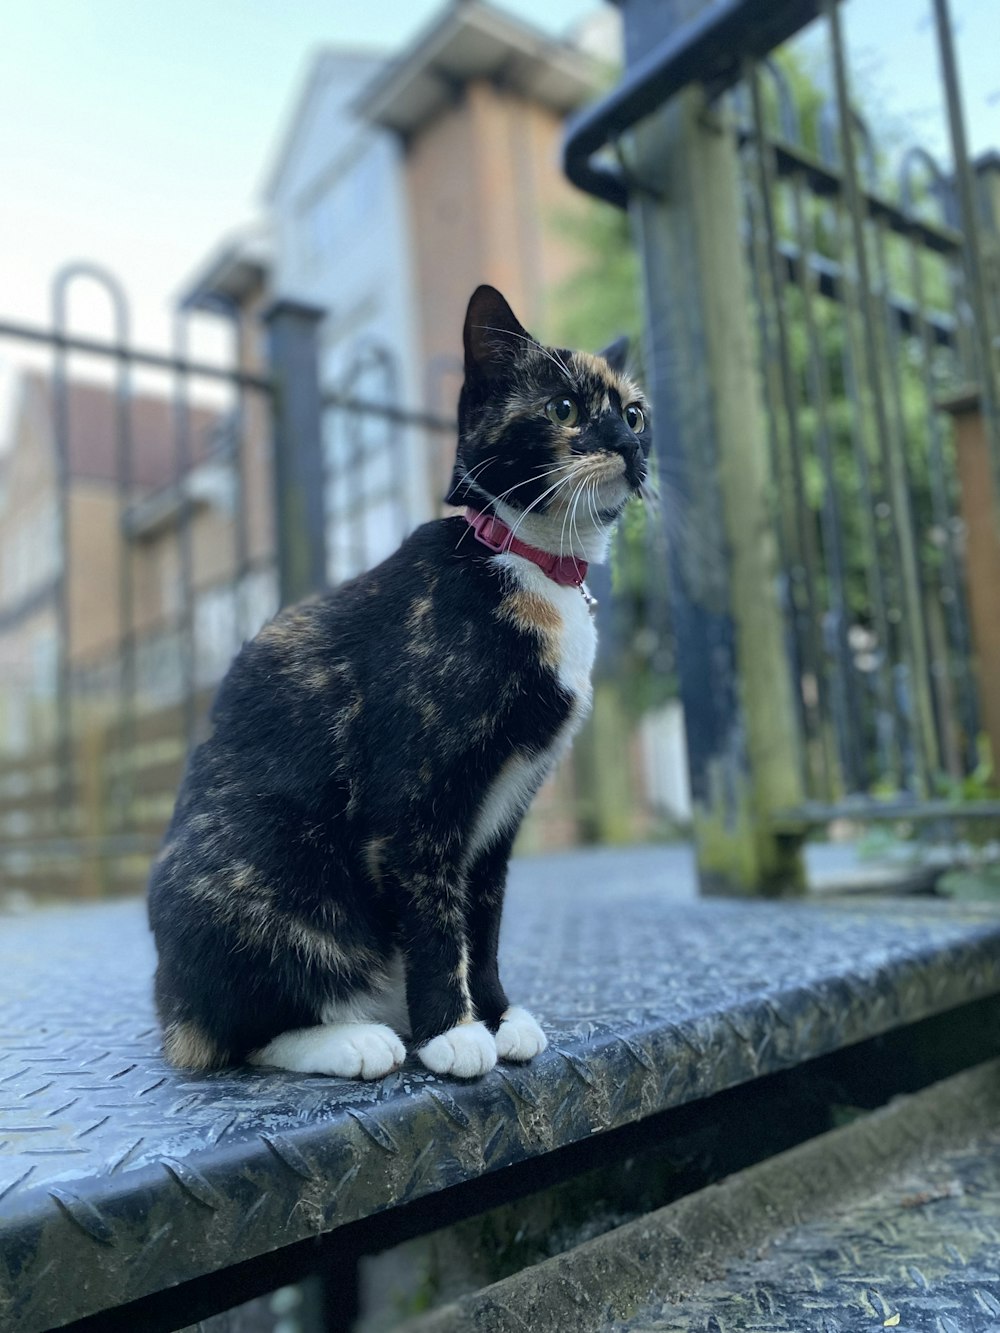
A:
x: 743, y: 744
x: 978, y: 507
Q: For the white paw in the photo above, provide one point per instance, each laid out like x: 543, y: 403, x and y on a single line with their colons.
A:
x: 344, y: 1050
x: 465, y: 1051
x: 519, y: 1037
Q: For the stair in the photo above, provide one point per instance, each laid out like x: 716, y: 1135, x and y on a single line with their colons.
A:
x: 125, y: 1183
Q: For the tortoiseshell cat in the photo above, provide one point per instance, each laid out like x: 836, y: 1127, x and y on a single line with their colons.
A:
x: 334, y: 871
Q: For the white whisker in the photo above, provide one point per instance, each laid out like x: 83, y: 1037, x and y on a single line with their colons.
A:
x: 569, y: 511
x: 591, y: 497
x: 470, y: 480
x: 498, y: 499
x: 564, y: 481
x: 473, y: 473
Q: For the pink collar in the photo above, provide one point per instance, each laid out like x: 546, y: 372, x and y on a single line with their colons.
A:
x: 494, y: 533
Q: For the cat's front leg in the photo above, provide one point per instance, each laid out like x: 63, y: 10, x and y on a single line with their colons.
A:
x: 446, y: 1028
x: 519, y: 1036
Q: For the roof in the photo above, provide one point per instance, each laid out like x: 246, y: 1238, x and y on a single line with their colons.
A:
x: 471, y: 40
x: 238, y: 266
x: 93, y: 432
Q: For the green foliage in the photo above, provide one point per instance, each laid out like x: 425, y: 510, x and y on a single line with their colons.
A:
x: 981, y: 884
x: 600, y: 300
x: 979, y: 785
x: 638, y: 580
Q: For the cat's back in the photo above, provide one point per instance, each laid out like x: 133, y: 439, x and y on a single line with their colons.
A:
x: 316, y: 647
x: 347, y: 660
x: 444, y: 624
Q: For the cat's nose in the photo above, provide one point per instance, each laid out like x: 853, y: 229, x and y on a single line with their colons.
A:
x: 635, y: 464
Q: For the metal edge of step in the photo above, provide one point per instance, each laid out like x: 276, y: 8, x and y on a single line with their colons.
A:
x: 668, y: 1254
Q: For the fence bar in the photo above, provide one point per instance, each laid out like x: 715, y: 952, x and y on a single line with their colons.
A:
x: 738, y: 701
x: 803, y: 572
x: 185, y: 543
x: 846, y: 703
x: 389, y: 411
x: 785, y: 527
x: 293, y: 329
x: 952, y: 574
x: 237, y: 460
x: 976, y: 286
x: 887, y: 719
x: 125, y: 786
x: 61, y: 285
x: 887, y: 334
x: 912, y: 628
x: 134, y: 355
x: 355, y: 463
x: 987, y: 179
x: 64, y: 692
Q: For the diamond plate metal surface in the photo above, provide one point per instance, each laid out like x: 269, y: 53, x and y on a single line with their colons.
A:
x: 922, y: 1254
x: 120, y: 1176
x: 890, y: 1221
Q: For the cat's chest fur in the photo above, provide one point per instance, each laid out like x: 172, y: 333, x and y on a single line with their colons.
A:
x: 559, y: 620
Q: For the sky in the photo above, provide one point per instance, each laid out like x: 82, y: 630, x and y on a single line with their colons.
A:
x: 137, y: 133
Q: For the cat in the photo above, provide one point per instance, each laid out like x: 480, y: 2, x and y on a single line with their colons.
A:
x: 333, y: 875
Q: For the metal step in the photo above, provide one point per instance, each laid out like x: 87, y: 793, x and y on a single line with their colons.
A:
x: 890, y: 1222
x: 121, y: 1177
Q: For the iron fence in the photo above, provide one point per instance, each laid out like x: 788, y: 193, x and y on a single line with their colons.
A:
x: 186, y: 502
x: 873, y: 558
x: 127, y: 607
x: 872, y: 300
x: 815, y: 319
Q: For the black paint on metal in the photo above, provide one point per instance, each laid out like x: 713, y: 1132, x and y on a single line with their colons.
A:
x: 708, y: 49
x: 634, y: 1169
x: 138, y: 356
x: 293, y: 329
x: 804, y: 569
x: 909, y: 713
x: 185, y: 542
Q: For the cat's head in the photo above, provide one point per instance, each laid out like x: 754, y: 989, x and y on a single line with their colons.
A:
x: 554, y: 442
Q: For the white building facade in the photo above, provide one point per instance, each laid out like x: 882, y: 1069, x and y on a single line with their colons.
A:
x: 337, y: 202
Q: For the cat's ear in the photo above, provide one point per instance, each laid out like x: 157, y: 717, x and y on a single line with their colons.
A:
x: 492, y: 334
x: 616, y: 354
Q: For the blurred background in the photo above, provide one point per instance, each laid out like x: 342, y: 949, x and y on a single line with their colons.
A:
x: 236, y: 245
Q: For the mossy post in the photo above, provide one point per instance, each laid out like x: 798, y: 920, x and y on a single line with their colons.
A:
x: 298, y: 447
x: 743, y: 742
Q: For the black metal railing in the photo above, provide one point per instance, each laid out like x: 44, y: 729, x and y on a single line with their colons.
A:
x: 180, y: 528
x: 872, y: 304
x: 91, y: 751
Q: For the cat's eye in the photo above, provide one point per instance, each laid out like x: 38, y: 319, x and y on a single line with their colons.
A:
x: 634, y: 418
x: 562, y: 411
